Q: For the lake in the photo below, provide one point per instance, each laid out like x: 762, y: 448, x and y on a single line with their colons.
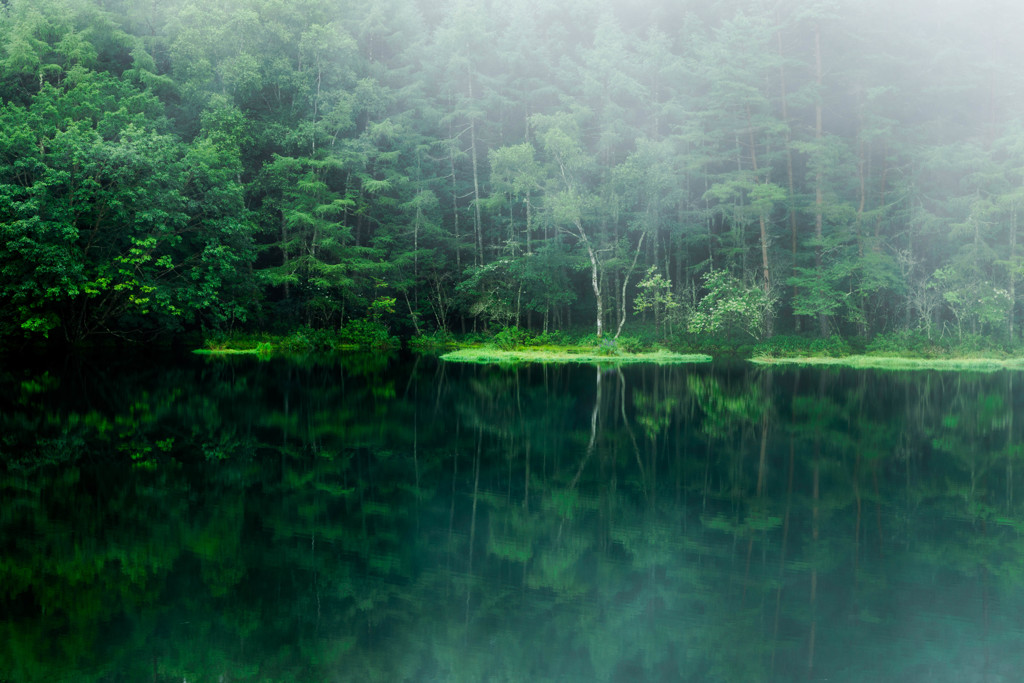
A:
x: 390, y: 518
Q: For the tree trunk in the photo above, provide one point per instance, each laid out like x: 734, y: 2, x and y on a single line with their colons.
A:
x: 862, y: 177
x: 595, y: 280
x: 819, y: 198
x: 765, y: 273
x: 455, y: 199
x: 476, y: 185
x: 284, y: 255
x: 1013, y: 280
x: 625, y: 283
x: 789, y: 164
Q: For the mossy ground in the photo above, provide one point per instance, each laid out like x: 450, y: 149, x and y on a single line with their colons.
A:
x: 861, y: 362
x: 568, y: 354
x: 226, y: 352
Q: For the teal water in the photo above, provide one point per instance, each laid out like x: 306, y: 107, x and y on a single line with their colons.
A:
x: 380, y: 518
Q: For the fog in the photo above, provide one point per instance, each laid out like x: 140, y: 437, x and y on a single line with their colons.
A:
x: 523, y: 162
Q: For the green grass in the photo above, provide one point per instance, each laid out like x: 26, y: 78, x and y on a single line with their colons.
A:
x: 225, y: 352
x: 567, y: 354
x: 896, y: 363
x: 263, y: 349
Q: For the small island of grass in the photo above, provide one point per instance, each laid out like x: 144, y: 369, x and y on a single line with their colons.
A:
x: 867, y: 362
x: 569, y: 354
x: 232, y: 352
x: 301, y: 341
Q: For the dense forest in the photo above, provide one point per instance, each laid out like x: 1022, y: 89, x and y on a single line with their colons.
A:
x: 744, y: 168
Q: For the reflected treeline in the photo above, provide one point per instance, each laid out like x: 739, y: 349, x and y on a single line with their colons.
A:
x: 376, y: 518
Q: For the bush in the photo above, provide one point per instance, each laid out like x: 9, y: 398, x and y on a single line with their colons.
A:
x: 509, y: 339
x: 608, y: 346
x: 435, y: 340
x: 975, y: 345
x: 368, y: 333
x: 296, y: 341
x: 789, y: 346
x: 632, y: 344
x: 731, y: 307
x: 550, y: 339
x: 905, y: 343
x: 688, y: 342
x: 834, y: 346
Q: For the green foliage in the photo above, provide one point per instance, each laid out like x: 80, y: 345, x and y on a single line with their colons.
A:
x: 904, y: 343
x: 199, y: 166
x: 607, y: 355
x: 110, y: 222
x: 783, y: 346
x: 716, y: 346
x: 439, y: 339
x: 509, y: 338
x: 556, y: 338
x: 655, y: 294
x: 356, y: 333
x: 607, y: 346
x: 730, y: 307
x: 631, y: 344
x: 309, y: 339
x: 368, y: 333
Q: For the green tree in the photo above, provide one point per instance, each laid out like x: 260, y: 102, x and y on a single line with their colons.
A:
x: 730, y: 307
x: 111, y: 223
x: 655, y: 295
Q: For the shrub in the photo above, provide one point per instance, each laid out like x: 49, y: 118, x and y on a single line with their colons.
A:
x: 296, y: 341
x: 632, y: 344
x: 509, y: 339
x: 435, y: 340
x: 833, y: 346
x: 782, y: 346
x: 904, y: 343
x: 688, y: 342
x: 608, y: 346
x: 731, y: 307
x: 369, y: 333
x: 550, y: 339
x: 789, y: 346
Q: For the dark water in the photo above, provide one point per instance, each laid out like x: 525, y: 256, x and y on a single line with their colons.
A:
x: 385, y: 519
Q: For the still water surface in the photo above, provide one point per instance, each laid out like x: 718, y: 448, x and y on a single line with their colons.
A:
x: 387, y: 519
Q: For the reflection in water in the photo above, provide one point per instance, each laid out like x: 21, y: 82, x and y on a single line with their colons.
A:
x: 371, y: 519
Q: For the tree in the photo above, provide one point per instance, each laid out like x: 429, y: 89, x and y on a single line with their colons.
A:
x: 655, y: 295
x: 569, y: 202
x: 729, y: 307
x: 112, y: 224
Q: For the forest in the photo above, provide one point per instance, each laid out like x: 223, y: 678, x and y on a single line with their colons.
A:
x: 742, y: 168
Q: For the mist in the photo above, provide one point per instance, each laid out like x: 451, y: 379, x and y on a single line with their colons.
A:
x: 854, y: 167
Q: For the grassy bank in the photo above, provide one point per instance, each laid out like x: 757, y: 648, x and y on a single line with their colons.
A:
x: 359, y: 335
x: 511, y: 345
x: 235, y: 352
x: 864, y: 362
x: 568, y: 354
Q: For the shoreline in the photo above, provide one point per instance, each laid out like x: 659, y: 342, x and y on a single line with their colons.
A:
x: 864, y: 362
x: 486, y: 356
